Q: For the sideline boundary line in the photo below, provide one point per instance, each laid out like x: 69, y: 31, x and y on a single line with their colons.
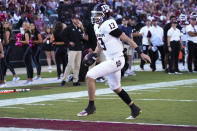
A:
x: 28, y: 100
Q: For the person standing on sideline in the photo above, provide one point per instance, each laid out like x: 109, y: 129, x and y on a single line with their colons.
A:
x: 27, y: 58
x: 144, y: 32
x: 166, y: 51
x: 130, y: 51
x: 36, y: 41
x: 109, y: 38
x: 7, y: 50
x: 155, y: 38
x: 174, y: 46
x: 48, y: 48
x: 127, y: 30
x: 60, y: 49
x: 2, y: 81
x: 74, y: 34
x: 191, y: 30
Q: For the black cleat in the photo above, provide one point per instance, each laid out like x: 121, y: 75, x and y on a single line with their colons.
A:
x: 136, y: 111
x: 63, y: 83
x: 89, y: 110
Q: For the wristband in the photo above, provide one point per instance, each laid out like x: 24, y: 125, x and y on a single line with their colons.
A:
x: 138, y: 50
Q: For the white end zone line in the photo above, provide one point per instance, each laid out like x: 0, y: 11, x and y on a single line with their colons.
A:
x: 28, y: 100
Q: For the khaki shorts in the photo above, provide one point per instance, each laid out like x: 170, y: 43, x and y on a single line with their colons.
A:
x: 129, y: 49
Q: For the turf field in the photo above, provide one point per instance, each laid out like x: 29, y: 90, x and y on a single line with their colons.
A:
x: 168, y: 104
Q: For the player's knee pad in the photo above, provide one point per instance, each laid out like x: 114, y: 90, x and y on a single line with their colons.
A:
x: 114, y: 86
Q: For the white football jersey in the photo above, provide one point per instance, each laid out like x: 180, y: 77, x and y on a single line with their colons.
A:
x: 112, y: 46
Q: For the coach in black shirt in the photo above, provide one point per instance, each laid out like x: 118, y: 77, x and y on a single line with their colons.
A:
x: 73, y: 35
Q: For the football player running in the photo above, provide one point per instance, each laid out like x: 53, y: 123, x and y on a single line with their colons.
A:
x: 109, y: 40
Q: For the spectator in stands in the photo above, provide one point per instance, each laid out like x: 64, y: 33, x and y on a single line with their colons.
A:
x: 192, y: 44
x: 52, y: 6
x: 74, y: 35
x: 36, y: 41
x: 7, y: 34
x: 174, y: 45
x: 60, y: 49
x: 48, y: 48
x: 27, y: 58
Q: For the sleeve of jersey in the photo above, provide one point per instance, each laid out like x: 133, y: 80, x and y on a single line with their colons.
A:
x: 116, y: 33
x: 112, y: 28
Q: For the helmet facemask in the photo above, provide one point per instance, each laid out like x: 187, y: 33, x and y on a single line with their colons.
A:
x: 97, y: 17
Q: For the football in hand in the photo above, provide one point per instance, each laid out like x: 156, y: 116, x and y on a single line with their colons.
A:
x: 89, y: 59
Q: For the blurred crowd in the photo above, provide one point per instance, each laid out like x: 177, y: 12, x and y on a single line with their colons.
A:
x: 42, y: 21
x: 47, y: 11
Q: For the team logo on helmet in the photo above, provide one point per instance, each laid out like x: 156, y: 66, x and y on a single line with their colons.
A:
x: 99, y: 12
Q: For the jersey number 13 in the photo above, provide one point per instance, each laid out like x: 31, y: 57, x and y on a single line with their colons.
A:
x: 102, y: 44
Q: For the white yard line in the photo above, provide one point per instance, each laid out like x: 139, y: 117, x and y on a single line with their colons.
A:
x: 166, y: 88
x: 35, y: 82
x: 13, y: 108
x: 39, y: 104
x: 127, y: 92
x: 100, y: 98
x: 27, y: 100
x: 173, y: 100
x: 148, y: 90
x: 167, y: 100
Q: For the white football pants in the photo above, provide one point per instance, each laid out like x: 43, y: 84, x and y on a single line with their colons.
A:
x: 110, y: 68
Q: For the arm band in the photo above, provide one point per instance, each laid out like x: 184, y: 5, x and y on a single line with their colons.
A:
x: 138, y: 50
x: 116, y: 33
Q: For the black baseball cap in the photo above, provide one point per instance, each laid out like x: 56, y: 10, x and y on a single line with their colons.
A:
x: 132, y: 17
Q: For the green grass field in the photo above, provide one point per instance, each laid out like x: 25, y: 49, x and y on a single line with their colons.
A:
x: 159, y: 105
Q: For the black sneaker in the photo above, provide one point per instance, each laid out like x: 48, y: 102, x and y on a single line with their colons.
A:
x: 166, y: 70
x: 136, y: 111
x: 89, y: 110
x: 63, y: 83
x: 76, y: 84
x: 142, y: 67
